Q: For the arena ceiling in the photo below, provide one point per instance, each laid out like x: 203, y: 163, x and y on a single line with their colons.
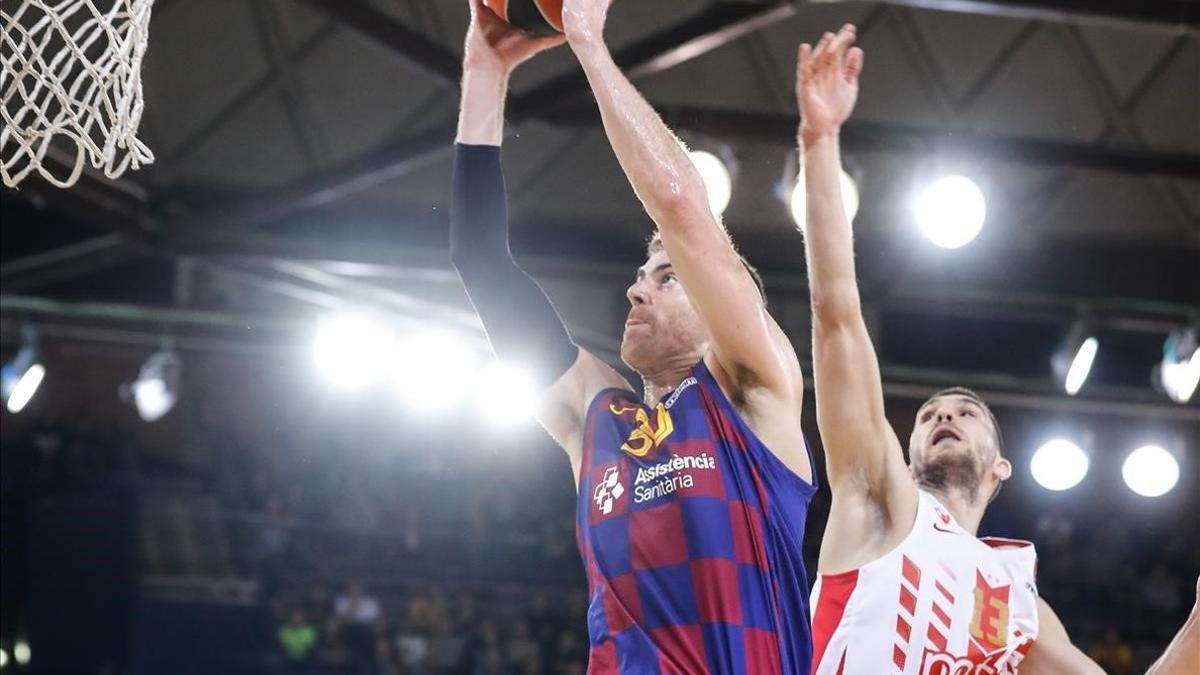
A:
x: 303, y: 153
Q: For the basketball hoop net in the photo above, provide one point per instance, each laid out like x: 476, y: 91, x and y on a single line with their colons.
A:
x: 71, y: 70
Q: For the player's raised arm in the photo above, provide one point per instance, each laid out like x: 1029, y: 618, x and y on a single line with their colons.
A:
x: 863, y: 456
x: 747, y: 344
x: 521, y: 324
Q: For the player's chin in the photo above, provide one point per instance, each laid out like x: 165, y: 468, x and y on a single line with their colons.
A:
x: 635, y: 350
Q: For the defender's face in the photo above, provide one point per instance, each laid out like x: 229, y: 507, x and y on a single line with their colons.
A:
x: 952, y: 429
x: 662, y: 323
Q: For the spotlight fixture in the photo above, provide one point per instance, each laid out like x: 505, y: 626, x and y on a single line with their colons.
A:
x: 1150, y: 471
x: 505, y: 394
x: 19, y: 379
x: 1179, y: 372
x: 951, y: 211
x: 352, y: 350
x: 435, y: 370
x: 1073, y: 359
x: 1059, y: 465
x: 156, y: 388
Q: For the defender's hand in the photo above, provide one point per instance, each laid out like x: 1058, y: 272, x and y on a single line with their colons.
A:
x: 492, y: 44
x: 583, y: 21
x: 827, y: 83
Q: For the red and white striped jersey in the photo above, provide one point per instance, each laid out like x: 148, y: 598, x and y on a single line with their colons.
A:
x: 943, y: 602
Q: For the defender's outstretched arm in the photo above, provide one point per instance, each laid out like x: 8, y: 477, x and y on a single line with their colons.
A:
x: 863, y: 456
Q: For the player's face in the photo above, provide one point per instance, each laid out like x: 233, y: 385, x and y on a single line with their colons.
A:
x: 662, y: 325
x: 953, y: 443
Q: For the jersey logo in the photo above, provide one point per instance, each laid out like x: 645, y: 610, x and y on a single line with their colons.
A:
x: 608, y: 490
x: 989, y: 623
x: 942, y: 529
x: 649, y: 432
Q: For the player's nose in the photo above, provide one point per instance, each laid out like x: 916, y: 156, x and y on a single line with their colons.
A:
x: 636, y: 294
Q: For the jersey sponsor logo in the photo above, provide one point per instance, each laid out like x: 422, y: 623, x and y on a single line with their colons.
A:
x: 989, y: 622
x: 608, y: 490
x: 942, y: 529
x: 673, y: 474
x: 944, y: 663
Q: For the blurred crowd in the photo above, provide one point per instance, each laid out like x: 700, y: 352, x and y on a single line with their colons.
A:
x: 445, y: 557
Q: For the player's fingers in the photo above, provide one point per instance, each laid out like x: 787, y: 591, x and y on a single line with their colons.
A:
x: 551, y: 41
x: 804, y: 63
x: 842, y: 41
x: 854, y: 64
x: 822, y: 47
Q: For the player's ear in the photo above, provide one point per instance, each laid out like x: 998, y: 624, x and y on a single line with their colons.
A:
x: 1003, y: 468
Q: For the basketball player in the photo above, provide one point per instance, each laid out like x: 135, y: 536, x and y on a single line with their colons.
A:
x: 904, y: 585
x: 692, y: 496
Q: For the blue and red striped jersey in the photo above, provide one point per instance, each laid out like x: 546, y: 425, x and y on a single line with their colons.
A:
x: 690, y: 531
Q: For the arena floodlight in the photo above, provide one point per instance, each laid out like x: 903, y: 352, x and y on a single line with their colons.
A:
x: 798, y: 200
x: 435, y: 370
x: 505, y: 394
x: 21, y: 652
x: 20, y: 379
x: 718, y: 181
x: 352, y: 350
x: 3, y: 657
x: 156, y: 388
x: 1179, y: 372
x: 1059, y: 465
x: 951, y: 211
x: 1150, y: 471
x: 1073, y: 359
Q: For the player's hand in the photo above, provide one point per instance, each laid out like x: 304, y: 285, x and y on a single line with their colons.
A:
x: 827, y: 82
x: 493, y: 44
x: 583, y: 21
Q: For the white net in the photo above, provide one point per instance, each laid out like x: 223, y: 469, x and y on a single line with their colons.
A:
x: 72, y: 78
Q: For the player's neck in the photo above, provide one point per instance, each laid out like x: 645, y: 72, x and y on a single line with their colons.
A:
x: 967, y: 509
x: 660, y: 383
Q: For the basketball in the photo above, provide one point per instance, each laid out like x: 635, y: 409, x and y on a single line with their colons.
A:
x: 539, y: 17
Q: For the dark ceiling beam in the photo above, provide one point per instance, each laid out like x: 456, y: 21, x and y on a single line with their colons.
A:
x: 707, y: 30
x: 77, y: 322
x: 431, y: 265
x: 435, y: 62
x: 866, y: 136
x: 1169, y: 14
x: 711, y: 28
x: 67, y: 262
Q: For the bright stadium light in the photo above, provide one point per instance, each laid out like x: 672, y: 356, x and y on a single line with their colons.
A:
x: 505, y: 394
x: 25, y: 387
x: 435, y: 370
x: 1072, y: 361
x: 798, y: 204
x: 352, y: 350
x: 717, y: 179
x: 21, y: 652
x: 1150, y: 471
x: 156, y: 388
x: 3, y: 658
x: 19, y: 379
x: 951, y: 211
x: 1059, y: 465
x: 1179, y: 372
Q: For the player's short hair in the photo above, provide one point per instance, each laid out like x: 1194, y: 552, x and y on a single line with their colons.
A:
x: 655, y: 244
x: 967, y: 393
